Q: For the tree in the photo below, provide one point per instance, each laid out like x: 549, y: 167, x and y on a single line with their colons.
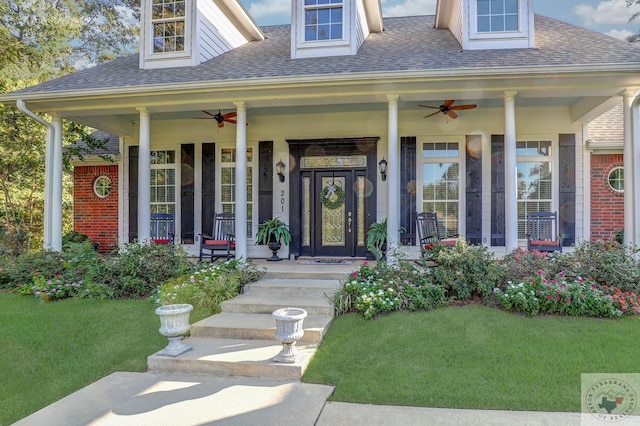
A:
x: 41, y: 40
x: 634, y: 38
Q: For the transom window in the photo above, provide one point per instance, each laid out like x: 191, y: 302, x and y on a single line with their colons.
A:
x: 228, y: 184
x: 616, y: 179
x: 168, y: 24
x: 497, y: 16
x: 441, y: 183
x: 163, y: 182
x: 323, y: 20
x: 534, y: 180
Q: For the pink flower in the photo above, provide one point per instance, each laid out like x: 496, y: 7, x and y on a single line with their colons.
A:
x: 365, y: 263
x: 567, y: 300
x: 540, y: 272
x: 561, y: 274
x: 549, y: 297
x: 354, y: 274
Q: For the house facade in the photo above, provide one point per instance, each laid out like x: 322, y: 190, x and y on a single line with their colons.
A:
x: 315, y: 107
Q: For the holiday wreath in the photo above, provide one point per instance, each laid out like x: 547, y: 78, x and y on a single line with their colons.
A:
x: 332, y: 196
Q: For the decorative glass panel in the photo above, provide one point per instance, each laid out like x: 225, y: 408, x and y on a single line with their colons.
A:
x: 333, y: 223
x: 306, y: 211
x: 361, y: 188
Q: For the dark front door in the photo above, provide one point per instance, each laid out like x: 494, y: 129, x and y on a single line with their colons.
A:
x: 334, y: 217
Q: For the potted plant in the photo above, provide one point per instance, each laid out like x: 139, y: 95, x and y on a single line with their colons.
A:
x: 377, y: 238
x: 273, y: 232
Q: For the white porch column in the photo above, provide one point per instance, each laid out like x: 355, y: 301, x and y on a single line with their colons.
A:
x: 510, y: 174
x: 144, y: 177
x: 630, y: 152
x: 48, y: 192
x: 393, y: 181
x: 56, y: 185
x: 241, y: 181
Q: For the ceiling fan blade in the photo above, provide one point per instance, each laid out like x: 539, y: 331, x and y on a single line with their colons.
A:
x: 428, y: 106
x: 203, y: 118
x: 208, y: 113
x: 448, y: 103
x: 230, y: 120
x: 229, y: 115
x: 452, y: 114
x: 431, y: 115
x: 460, y: 107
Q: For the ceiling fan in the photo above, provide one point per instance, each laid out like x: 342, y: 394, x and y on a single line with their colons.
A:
x: 220, y: 117
x: 447, y: 108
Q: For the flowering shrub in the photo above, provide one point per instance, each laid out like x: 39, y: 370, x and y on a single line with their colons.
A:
x: 54, y: 289
x: 627, y: 301
x: 207, y: 287
x: 374, y: 290
x: 521, y: 264
x: 559, y: 295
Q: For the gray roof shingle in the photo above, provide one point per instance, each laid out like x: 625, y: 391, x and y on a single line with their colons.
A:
x: 408, y: 43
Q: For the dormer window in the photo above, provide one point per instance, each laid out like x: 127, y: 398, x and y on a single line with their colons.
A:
x: 168, y: 24
x: 497, y: 16
x: 323, y: 20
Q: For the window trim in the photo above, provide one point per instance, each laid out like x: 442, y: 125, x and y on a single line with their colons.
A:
x: 522, y: 30
x: 188, y: 37
x: 460, y: 159
x: 318, y: 7
x: 303, y: 44
x: 254, y: 166
x: 609, y: 186
x: 109, y: 188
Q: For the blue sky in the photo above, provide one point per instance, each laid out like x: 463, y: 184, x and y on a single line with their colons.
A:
x: 607, y: 16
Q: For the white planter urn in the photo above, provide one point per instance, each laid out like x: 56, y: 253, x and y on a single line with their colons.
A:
x: 288, y: 331
x: 174, y: 323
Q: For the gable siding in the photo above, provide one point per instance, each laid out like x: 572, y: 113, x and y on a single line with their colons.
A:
x: 216, y: 34
x: 456, y: 25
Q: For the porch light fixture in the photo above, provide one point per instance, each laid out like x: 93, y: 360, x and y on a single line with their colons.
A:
x: 383, y: 168
x: 280, y: 170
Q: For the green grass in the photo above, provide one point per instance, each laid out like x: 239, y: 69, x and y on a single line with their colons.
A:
x: 51, y: 350
x: 471, y: 357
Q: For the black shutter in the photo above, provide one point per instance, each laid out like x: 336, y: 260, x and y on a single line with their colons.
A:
x: 497, y: 191
x: 265, y: 181
x: 208, y: 186
x: 408, y: 189
x: 133, y: 193
x: 567, y: 195
x: 474, y: 189
x: 187, y: 163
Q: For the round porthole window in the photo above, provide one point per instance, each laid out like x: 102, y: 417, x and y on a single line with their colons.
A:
x: 616, y: 179
x: 102, y: 186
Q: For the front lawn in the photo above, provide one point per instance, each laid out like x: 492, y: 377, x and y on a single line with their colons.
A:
x: 53, y: 349
x: 471, y: 356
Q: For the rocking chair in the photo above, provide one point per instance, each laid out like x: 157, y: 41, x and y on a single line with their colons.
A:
x: 162, y: 228
x: 221, y: 242
x: 429, y: 236
x: 542, y: 232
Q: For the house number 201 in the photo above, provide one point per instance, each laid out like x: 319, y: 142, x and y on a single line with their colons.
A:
x: 282, y: 199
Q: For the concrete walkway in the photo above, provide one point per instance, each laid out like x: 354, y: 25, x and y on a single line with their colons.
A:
x: 147, y: 399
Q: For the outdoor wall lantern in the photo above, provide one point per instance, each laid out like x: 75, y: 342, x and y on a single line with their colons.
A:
x: 280, y: 170
x: 383, y: 168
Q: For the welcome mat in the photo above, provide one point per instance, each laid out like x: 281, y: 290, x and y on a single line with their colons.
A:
x: 325, y: 262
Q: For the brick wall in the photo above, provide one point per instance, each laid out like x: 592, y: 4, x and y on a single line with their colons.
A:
x: 607, y: 205
x: 94, y: 216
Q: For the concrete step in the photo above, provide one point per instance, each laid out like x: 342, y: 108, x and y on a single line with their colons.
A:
x: 228, y: 325
x: 233, y: 357
x: 293, y: 287
x: 319, y: 272
x: 251, y: 304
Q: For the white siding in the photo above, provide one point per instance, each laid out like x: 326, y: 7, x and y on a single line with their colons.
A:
x: 216, y: 34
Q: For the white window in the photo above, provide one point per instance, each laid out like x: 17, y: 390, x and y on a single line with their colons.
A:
x: 497, y: 16
x: 534, y: 180
x: 168, y: 25
x: 323, y: 20
x: 228, y: 184
x: 616, y: 179
x: 102, y: 186
x: 441, y: 183
x: 163, y: 182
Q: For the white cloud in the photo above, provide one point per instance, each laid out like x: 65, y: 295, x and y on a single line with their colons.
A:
x: 613, y: 12
x: 408, y: 7
x: 621, y: 34
x: 263, y: 8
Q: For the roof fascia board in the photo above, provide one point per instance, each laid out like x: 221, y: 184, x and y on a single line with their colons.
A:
x: 240, y: 16
x: 319, y: 79
x: 373, y: 11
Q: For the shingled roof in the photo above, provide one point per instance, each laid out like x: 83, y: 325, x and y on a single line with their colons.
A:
x: 406, y: 44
